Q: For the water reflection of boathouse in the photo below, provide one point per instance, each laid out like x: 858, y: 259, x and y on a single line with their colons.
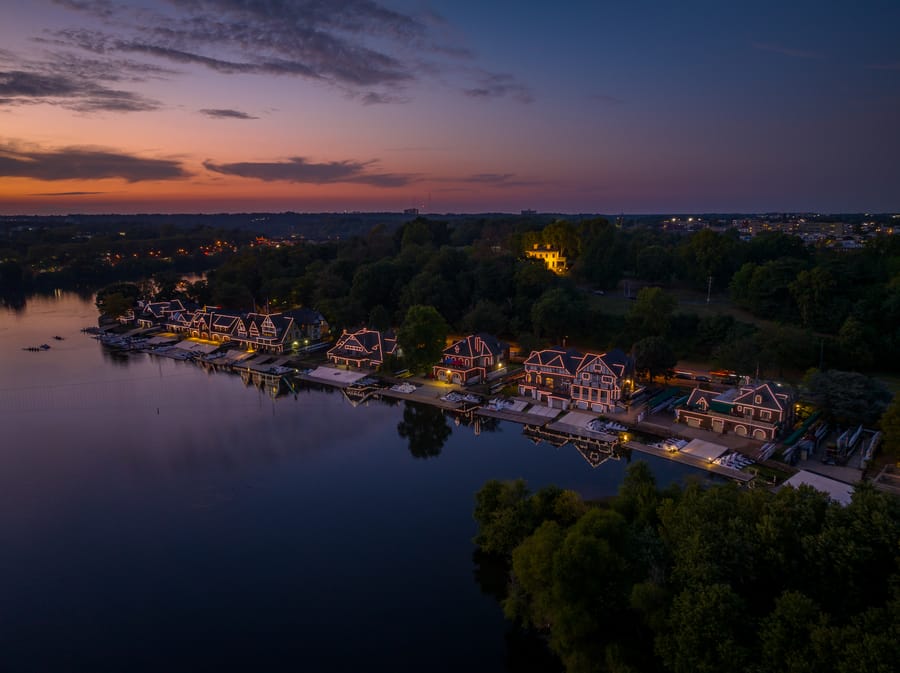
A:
x: 595, y: 450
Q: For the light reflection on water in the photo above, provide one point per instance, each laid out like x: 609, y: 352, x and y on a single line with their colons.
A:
x: 154, y: 516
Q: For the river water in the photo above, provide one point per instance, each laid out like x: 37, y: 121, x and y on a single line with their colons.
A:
x: 156, y: 517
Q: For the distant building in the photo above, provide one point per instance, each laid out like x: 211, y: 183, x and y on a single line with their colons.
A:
x: 411, y: 211
x: 156, y: 312
x: 266, y: 332
x: 363, y: 348
x: 550, y: 256
x: 529, y: 213
x: 471, y: 359
x: 825, y: 229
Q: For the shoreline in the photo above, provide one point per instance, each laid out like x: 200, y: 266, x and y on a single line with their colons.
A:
x: 543, y: 420
x: 557, y: 426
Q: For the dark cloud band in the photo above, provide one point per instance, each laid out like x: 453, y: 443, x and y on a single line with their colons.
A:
x: 77, y: 163
x: 298, y: 169
x: 220, y: 113
x: 77, y: 83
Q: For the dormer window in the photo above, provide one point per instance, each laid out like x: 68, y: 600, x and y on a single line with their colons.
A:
x: 757, y: 399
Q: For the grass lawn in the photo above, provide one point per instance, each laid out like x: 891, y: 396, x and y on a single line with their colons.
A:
x: 892, y: 381
x: 614, y: 302
x: 768, y: 476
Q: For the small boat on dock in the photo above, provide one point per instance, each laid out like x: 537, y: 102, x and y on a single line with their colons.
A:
x: 601, y: 425
x: 672, y: 444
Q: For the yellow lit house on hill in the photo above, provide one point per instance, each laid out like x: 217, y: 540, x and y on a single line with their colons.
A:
x: 550, y: 256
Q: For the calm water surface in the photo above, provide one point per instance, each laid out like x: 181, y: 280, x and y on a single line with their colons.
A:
x: 156, y: 517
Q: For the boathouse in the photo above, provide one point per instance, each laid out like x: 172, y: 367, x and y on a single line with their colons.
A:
x: 471, y: 359
x: 600, y: 381
x: 549, y: 374
x: 363, y: 348
x: 760, y: 411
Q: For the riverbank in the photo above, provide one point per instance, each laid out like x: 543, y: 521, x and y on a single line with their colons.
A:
x: 544, y: 423
x: 634, y: 430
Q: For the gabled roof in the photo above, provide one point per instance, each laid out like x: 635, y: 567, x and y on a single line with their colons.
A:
x: 568, y: 359
x: 304, y: 316
x: 158, y: 309
x: 619, y: 361
x: 224, y: 321
x: 201, y: 318
x: 182, y: 318
x: 476, y: 345
x: 259, y: 319
x: 770, y: 400
x: 698, y: 394
x: 614, y: 362
x: 175, y: 305
x: 372, y: 342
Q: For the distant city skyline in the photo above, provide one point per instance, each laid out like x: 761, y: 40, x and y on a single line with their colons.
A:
x: 356, y: 105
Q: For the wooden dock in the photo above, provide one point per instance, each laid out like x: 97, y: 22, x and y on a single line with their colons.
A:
x: 693, y: 461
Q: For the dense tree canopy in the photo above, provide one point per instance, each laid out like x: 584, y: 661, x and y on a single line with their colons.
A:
x: 422, y: 337
x: 116, y: 299
x: 848, y: 397
x: 651, y: 313
x: 653, y: 355
x: 890, y: 426
x: 810, y: 306
x: 701, y: 579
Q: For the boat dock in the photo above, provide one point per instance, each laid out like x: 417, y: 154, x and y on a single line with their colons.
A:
x: 583, y: 430
x: 539, y: 422
x: 693, y: 461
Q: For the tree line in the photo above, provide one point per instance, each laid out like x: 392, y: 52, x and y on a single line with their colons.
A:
x: 815, y: 305
x: 41, y: 257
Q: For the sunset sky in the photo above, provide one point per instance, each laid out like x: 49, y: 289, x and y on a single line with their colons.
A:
x: 448, y: 106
